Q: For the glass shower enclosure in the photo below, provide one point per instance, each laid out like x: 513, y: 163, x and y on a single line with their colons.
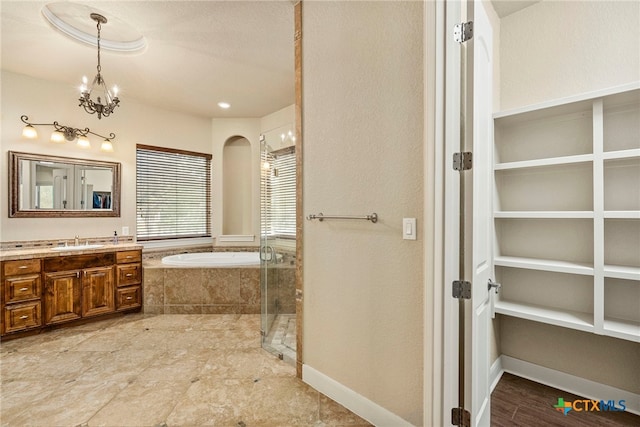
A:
x: 277, y: 248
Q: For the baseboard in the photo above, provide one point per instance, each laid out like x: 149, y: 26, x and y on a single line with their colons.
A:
x: 495, y: 373
x: 569, y: 383
x: 356, y: 403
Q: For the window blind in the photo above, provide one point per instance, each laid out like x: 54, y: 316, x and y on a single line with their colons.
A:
x: 278, y: 195
x: 173, y: 193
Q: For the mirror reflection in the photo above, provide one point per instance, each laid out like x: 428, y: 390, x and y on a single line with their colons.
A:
x: 57, y: 186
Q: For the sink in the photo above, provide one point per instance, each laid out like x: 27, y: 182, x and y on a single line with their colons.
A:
x: 76, y: 248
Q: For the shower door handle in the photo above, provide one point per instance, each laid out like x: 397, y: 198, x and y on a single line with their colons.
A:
x: 263, y: 253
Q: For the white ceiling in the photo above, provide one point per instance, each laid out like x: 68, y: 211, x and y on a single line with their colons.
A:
x: 198, y: 53
x: 507, y: 7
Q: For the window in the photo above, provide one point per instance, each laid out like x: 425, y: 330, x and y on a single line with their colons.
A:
x: 278, y: 195
x: 173, y: 192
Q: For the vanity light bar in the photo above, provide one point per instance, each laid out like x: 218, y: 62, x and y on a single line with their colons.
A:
x: 68, y: 133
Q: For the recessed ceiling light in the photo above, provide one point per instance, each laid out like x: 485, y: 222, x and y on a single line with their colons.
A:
x: 224, y: 105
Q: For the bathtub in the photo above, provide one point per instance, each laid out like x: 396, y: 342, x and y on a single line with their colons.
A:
x: 212, y: 259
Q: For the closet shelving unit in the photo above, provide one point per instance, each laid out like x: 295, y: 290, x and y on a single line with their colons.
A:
x: 567, y: 212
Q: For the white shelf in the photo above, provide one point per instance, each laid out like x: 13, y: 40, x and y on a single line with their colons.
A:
x: 622, y: 154
x: 574, y: 161
x: 553, y: 161
x: 620, y: 328
x: 543, y: 214
x: 622, y: 214
x: 622, y: 272
x: 569, y: 319
x: 544, y: 265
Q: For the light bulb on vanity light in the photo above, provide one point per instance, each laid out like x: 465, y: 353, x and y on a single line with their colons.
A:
x: 29, y: 132
x: 83, y: 142
x: 57, y: 136
x: 106, y: 146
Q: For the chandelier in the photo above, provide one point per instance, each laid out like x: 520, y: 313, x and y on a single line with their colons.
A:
x: 111, y: 100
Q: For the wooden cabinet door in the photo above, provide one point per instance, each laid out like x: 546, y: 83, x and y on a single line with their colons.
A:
x: 62, y: 296
x: 98, y: 289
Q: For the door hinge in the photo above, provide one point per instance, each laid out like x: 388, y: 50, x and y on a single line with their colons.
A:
x: 461, y: 289
x: 462, y: 161
x: 460, y: 417
x: 463, y: 32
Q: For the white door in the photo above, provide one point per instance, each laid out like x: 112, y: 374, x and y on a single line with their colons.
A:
x: 482, y: 222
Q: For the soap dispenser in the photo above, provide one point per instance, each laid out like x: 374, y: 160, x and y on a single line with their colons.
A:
x: 115, y: 238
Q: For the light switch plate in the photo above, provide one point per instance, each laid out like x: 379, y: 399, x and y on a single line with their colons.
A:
x: 409, y: 229
x: 125, y: 231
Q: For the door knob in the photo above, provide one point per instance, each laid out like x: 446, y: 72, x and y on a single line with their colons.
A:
x: 492, y: 284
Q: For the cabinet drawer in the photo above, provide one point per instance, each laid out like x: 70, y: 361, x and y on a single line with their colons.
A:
x: 128, y: 256
x: 25, y: 266
x: 22, y: 288
x: 129, y: 297
x: 20, y: 317
x: 129, y: 274
x: 78, y: 262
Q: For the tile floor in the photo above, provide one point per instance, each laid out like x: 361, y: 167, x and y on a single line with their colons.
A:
x: 157, y: 370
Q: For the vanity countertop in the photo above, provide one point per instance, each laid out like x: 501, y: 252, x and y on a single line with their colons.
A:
x: 53, y: 251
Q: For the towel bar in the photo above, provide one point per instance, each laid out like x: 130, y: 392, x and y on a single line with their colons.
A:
x: 320, y: 217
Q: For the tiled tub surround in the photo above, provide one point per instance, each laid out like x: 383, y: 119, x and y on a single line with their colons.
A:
x: 217, y: 290
x: 196, y: 290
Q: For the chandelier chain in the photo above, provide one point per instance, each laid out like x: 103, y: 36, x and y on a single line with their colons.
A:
x: 99, y: 67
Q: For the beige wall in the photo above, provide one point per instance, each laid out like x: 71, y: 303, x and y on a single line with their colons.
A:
x: 133, y: 123
x: 224, y: 130
x: 551, y: 50
x: 363, y: 152
x: 555, y: 49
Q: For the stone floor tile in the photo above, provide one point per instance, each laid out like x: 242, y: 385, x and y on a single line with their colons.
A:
x: 142, y: 403
x: 154, y: 370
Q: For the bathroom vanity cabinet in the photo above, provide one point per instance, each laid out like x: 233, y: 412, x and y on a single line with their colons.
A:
x: 78, y: 286
x: 21, y: 295
x: 129, y: 280
x: 49, y: 290
x: 567, y: 213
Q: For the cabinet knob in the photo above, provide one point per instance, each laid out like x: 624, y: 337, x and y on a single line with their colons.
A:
x: 24, y: 289
x: 129, y: 274
x: 23, y: 266
x: 128, y: 298
x: 24, y: 317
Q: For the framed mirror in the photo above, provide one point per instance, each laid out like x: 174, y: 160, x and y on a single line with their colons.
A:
x: 42, y: 186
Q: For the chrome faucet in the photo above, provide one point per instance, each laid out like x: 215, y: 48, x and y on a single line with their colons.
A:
x: 77, y: 241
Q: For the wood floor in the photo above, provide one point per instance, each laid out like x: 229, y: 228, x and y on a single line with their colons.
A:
x: 519, y: 402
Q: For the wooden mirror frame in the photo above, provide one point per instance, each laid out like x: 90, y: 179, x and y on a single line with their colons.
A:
x: 14, y: 183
